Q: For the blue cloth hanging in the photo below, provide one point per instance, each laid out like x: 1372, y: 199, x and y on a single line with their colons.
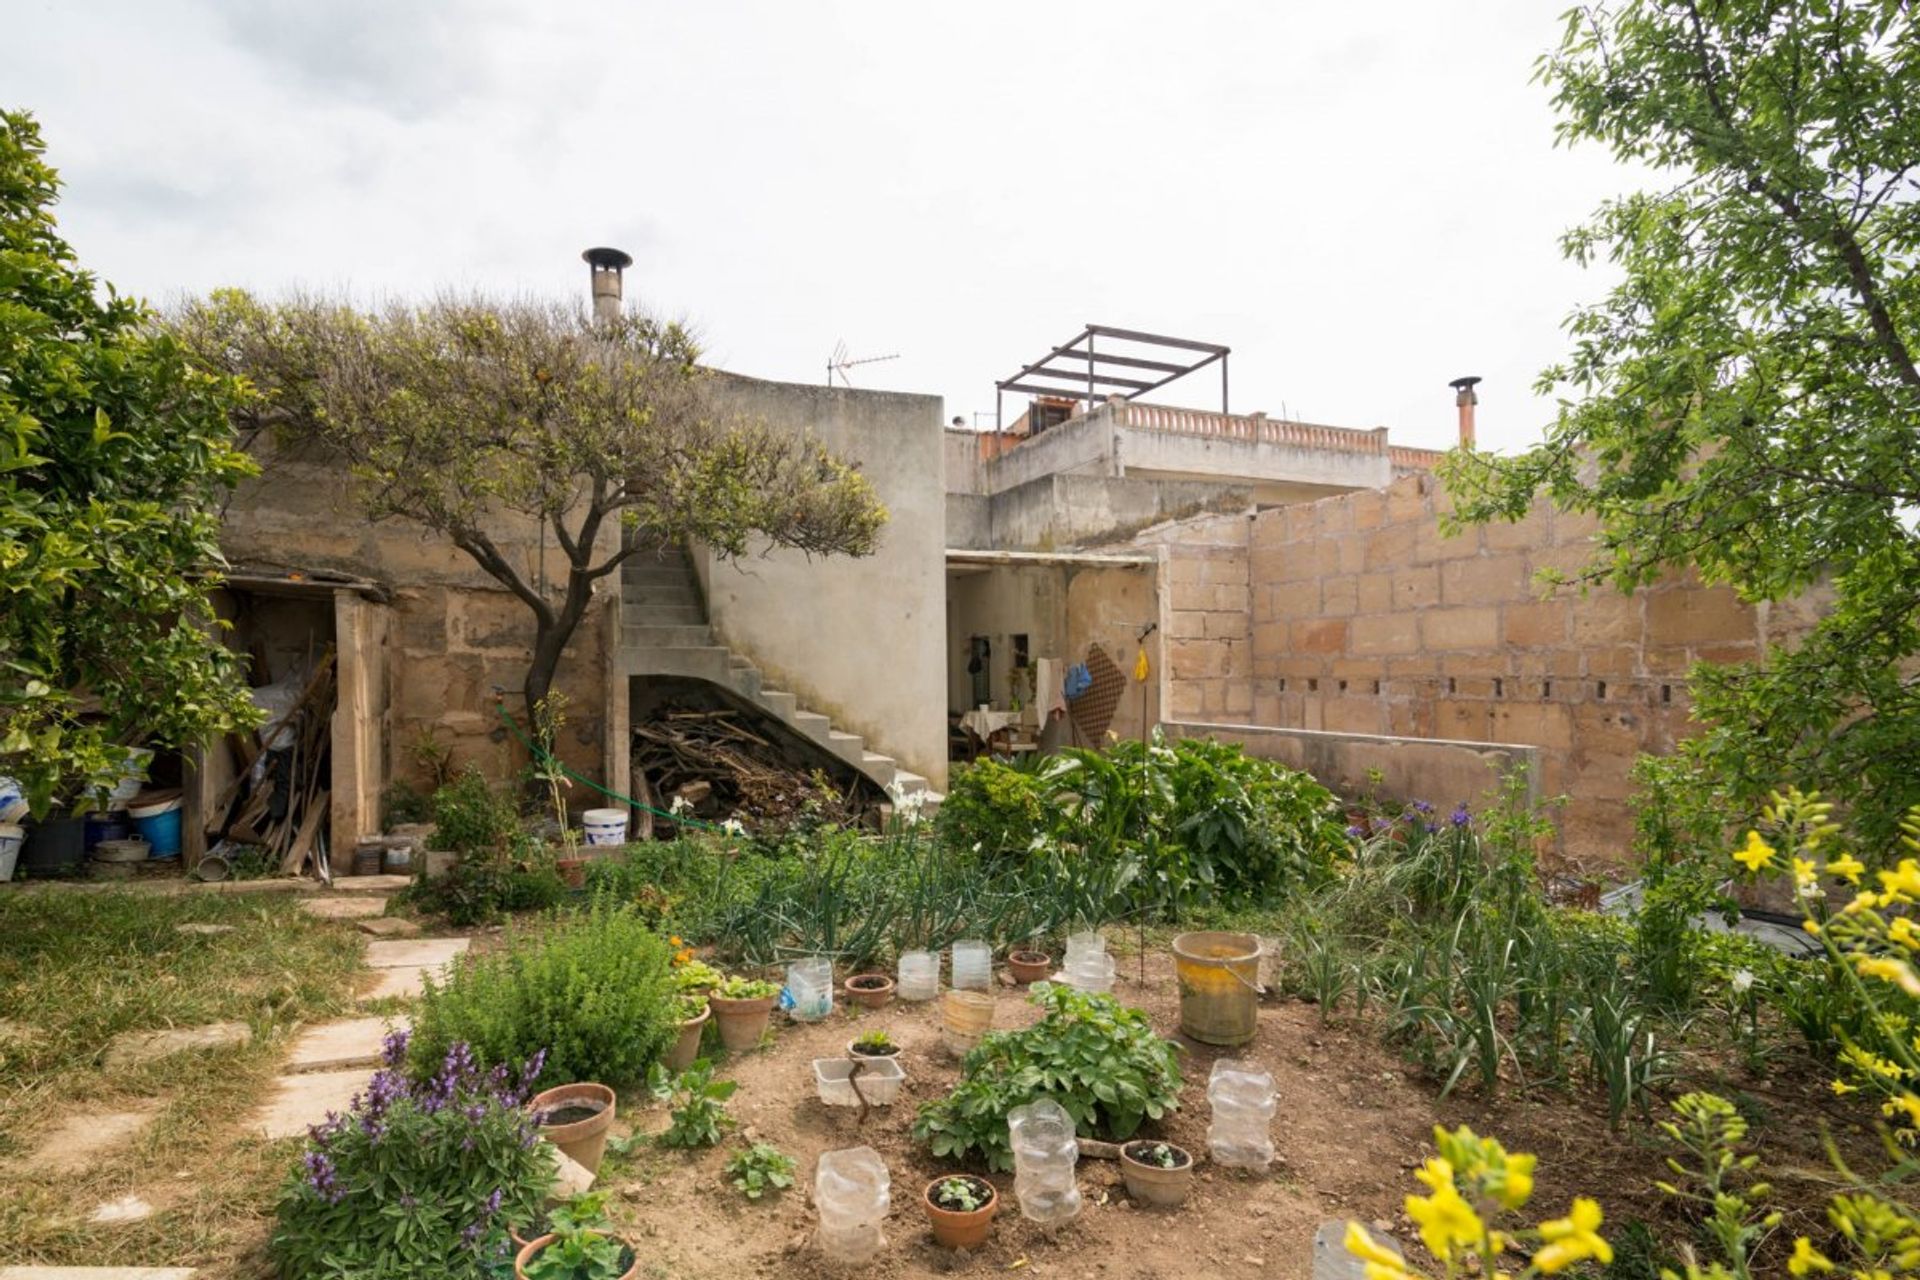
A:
x: 1078, y: 681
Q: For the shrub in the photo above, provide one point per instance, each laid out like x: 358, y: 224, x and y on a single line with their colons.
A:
x: 993, y: 808
x: 594, y: 990
x: 1097, y: 1058
x: 418, y: 1178
x: 480, y: 888
x: 472, y: 818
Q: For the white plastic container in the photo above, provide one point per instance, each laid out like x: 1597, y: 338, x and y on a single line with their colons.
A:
x: 810, y: 985
x: 1241, y: 1095
x: 879, y: 1082
x: 1045, y: 1156
x: 972, y: 966
x: 605, y: 827
x: 1092, y: 973
x: 13, y: 801
x: 919, y: 977
x: 12, y: 836
x: 1082, y: 945
x: 851, y: 1193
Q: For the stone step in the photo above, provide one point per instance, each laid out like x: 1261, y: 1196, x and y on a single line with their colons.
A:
x: 358, y: 906
x: 335, y: 1046
x: 646, y: 636
x: 813, y: 724
x: 663, y: 616
x: 906, y: 782
x: 881, y: 769
x: 653, y: 574
x: 848, y: 746
x: 301, y: 1101
x: 700, y: 662
x: 781, y: 703
x: 407, y: 953
x: 370, y: 884
x: 677, y: 596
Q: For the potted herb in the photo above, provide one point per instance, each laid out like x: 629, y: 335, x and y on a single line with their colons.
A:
x: 575, y: 1118
x: 872, y: 1044
x: 690, y: 974
x: 960, y: 1209
x: 577, y: 1248
x: 1157, y: 1173
x: 586, y: 1209
x: 691, y: 1012
x: 743, y: 1008
x: 870, y: 990
x: 1029, y: 966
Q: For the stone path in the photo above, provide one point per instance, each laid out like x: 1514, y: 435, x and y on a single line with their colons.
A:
x: 132, y: 1048
x: 303, y: 1100
x: 389, y: 926
x: 344, y: 908
x: 73, y: 1146
x: 403, y: 964
x: 334, y: 1046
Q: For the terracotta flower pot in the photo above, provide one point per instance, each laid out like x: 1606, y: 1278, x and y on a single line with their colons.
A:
x: 855, y: 1051
x: 584, y: 1141
x: 742, y: 1022
x: 532, y: 1247
x: 1149, y: 1183
x: 1029, y: 966
x: 573, y: 871
x: 869, y: 990
x: 958, y: 1229
x: 682, y: 1053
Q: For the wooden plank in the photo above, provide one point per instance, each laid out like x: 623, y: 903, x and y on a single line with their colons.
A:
x: 303, y: 843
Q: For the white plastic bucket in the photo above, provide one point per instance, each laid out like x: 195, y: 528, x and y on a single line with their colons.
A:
x: 605, y: 826
x: 12, y: 837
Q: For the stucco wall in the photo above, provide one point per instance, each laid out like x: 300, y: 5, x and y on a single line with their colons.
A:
x: 861, y: 641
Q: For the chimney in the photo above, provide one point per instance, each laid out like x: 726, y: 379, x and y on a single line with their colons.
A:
x: 604, y: 267
x: 1464, y: 399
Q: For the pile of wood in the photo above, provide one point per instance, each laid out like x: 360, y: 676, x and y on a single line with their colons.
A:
x: 720, y: 768
x: 283, y: 810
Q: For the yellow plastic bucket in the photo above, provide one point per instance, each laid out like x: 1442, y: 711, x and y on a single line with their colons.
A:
x: 1219, y: 977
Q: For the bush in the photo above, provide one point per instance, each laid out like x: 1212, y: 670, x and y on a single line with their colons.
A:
x: 993, y: 808
x: 418, y: 1179
x: 481, y: 887
x: 1097, y: 1058
x: 595, y: 991
x: 471, y: 818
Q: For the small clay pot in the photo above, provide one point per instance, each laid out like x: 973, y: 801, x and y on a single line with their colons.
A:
x: 855, y: 1051
x: 957, y: 1229
x: 573, y: 871
x: 1029, y: 966
x: 532, y: 1247
x: 742, y: 1022
x: 683, y: 1052
x: 869, y: 990
x: 584, y: 1141
x: 1149, y: 1183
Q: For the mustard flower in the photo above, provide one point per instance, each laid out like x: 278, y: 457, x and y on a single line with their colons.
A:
x: 1373, y: 1253
x: 1902, y: 884
x: 1908, y: 1103
x: 1806, y: 1258
x: 1574, y: 1238
x: 1755, y: 854
x: 1447, y: 1222
x: 1847, y: 867
x: 1887, y: 969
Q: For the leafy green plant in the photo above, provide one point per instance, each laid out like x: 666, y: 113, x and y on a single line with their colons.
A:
x: 1161, y: 1155
x: 739, y: 988
x: 593, y: 990
x: 994, y: 809
x: 696, y: 975
x: 1679, y: 827
x: 481, y: 887
x: 962, y: 1193
x: 1097, y: 1058
x: 418, y: 1178
x: 471, y: 817
x: 760, y: 1170
x: 699, y: 1116
x: 585, y: 1247
x: 876, y: 1043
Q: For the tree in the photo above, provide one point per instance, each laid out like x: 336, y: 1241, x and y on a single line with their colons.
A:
x: 464, y: 414
x: 1746, y: 400
x: 113, y: 448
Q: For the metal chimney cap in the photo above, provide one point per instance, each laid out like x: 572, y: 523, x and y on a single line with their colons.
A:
x: 604, y: 259
x: 1465, y: 384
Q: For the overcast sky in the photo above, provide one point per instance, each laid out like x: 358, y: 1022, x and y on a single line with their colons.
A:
x: 1364, y: 201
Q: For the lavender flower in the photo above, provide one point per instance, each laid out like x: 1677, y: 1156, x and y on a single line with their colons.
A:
x: 393, y: 1049
x: 1422, y: 807
x: 1460, y: 816
x: 1357, y: 831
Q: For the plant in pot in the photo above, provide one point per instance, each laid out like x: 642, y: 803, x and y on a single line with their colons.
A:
x: 743, y: 1007
x: 576, y: 1118
x: 960, y: 1209
x: 872, y: 1044
x: 690, y: 974
x: 869, y: 990
x: 577, y: 1247
x: 1029, y: 964
x: 691, y: 1013
x: 586, y: 1209
x: 1157, y: 1173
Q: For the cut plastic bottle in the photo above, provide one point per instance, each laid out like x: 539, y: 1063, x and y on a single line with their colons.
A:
x: 1045, y: 1156
x: 1241, y: 1095
x: 851, y: 1193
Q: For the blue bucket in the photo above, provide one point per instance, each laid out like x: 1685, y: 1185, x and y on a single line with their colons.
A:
x: 106, y: 826
x: 159, y: 826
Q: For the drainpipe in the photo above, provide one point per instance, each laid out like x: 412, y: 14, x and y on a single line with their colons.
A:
x: 604, y: 267
x: 1464, y: 399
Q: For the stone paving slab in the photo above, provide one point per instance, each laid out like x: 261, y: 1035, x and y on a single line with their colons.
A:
x: 96, y: 1273
x: 301, y: 1101
x: 413, y: 953
x: 343, y: 908
x: 131, y: 1048
x: 370, y: 884
x: 389, y: 927
x: 404, y: 984
x: 332, y: 1046
x: 80, y: 1139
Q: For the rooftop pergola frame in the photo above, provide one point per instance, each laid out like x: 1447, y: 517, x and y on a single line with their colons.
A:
x: 1103, y: 361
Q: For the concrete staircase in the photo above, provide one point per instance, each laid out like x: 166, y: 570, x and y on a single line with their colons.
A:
x: 664, y: 632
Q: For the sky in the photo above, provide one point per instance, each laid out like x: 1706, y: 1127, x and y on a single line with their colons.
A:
x: 1363, y: 201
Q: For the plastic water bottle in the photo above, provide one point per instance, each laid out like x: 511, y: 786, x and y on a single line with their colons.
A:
x: 1045, y: 1153
x: 1241, y: 1094
x: 972, y: 966
x: 810, y: 983
x: 1080, y: 946
x: 919, y: 975
x: 1091, y: 972
x: 851, y: 1194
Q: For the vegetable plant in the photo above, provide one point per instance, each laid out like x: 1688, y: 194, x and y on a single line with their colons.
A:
x: 585, y: 1248
x: 962, y: 1194
x: 738, y: 988
x: 760, y: 1170
x: 700, y: 1116
x: 1159, y: 1154
x: 1097, y: 1058
x: 876, y: 1044
x: 694, y: 975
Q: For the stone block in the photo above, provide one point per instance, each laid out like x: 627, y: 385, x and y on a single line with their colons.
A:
x: 299, y: 1102
x: 1707, y: 615
x: 1391, y: 547
x: 131, y: 1048
x: 413, y: 952
x: 390, y: 927
x: 1452, y: 629
x: 1340, y: 596
x: 1566, y: 562
x: 1385, y: 633
x: 358, y: 907
x: 1369, y: 507
x: 1539, y: 724
x: 1187, y: 698
x: 1530, y: 626
x: 334, y: 1046
x: 1416, y: 588
x: 370, y: 884
x: 1485, y: 580
x: 1235, y: 625
x: 1532, y: 530
x: 1354, y: 715
x: 1373, y: 593
x: 1574, y: 527
x: 1605, y: 618
x: 1430, y: 545
x: 396, y: 984
x: 1271, y: 638
x: 1463, y: 720
x: 80, y: 1140
x: 1327, y: 636
x: 1407, y: 500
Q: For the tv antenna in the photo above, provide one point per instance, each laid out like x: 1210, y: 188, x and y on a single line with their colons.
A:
x: 841, y: 361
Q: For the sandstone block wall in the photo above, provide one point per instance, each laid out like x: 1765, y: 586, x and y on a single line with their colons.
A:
x: 1207, y: 616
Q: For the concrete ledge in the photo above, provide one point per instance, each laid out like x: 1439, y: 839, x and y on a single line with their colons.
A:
x: 1431, y: 769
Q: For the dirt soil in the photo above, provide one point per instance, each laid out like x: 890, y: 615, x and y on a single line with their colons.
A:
x: 1353, y: 1122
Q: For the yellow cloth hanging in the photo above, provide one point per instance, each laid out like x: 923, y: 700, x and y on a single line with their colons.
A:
x: 1140, y: 666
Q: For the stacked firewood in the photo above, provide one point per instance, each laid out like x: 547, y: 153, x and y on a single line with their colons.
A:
x: 719, y: 768
x: 280, y: 795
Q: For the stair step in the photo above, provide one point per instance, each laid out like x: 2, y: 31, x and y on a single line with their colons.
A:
x: 649, y: 636
x: 656, y: 576
x: 664, y: 616
x: 655, y: 597
x: 881, y: 769
x: 781, y: 703
x: 848, y: 746
x: 813, y: 724
x: 909, y: 783
x: 703, y: 662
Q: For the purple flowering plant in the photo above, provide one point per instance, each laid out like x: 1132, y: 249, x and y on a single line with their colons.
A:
x: 419, y: 1177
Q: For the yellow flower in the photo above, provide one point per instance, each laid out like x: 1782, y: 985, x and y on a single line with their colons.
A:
x: 1382, y: 1271
x: 1447, y: 1222
x: 1807, y: 1258
x: 1573, y: 1238
x: 1517, y: 1188
x: 1804, y: 876
x: 1371, y: 1251
x: 1842, y: 1088
x: 1902, y: 884
x: 1903, y: 932
x: 1757, y: 853
x: 1887, y: 969
x: 1811, y: 926
x: 1847, y: 867
x: 1908, y: 1103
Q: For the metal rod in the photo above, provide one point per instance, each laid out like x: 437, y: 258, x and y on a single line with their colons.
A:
x: 1091, y: 365
x: 1223, y: 385
x: 1130, y: 362
x: 1158, y: 339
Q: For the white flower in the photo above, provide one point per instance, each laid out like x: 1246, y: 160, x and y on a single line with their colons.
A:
x: 1742, y: 980
x: 734, y: 827
x: 679, y: 806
